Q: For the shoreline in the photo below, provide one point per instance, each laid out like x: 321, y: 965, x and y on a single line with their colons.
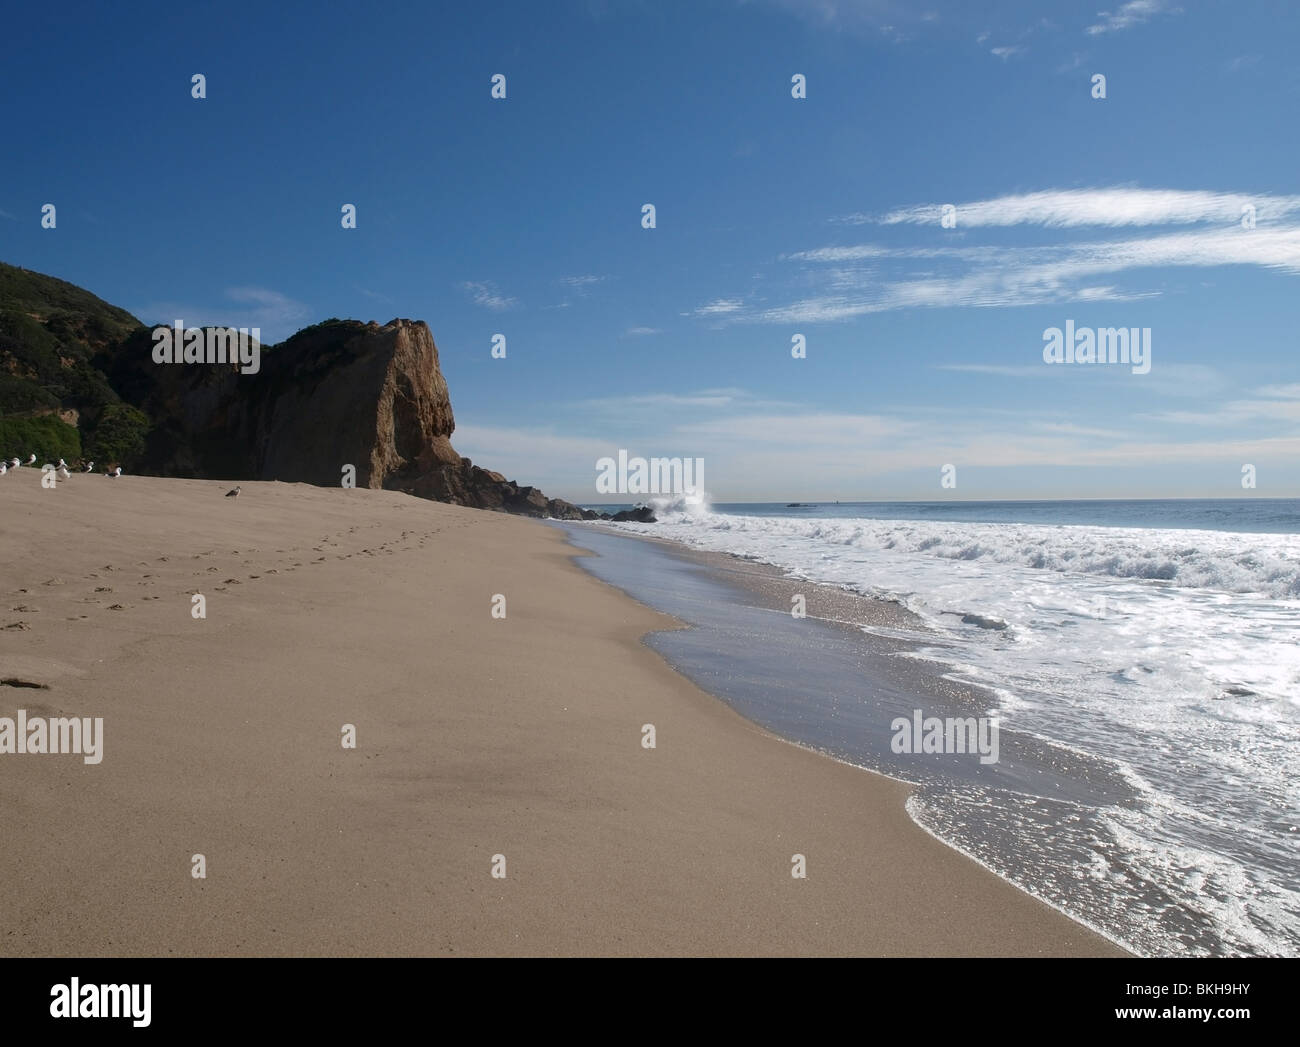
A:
x: 476, y: 736
x: 882, y: 629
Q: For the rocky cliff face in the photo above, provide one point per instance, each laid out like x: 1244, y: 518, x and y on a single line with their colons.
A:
x: 337, y: 394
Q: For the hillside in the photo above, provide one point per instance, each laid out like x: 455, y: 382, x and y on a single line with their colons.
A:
x: 77, y: 378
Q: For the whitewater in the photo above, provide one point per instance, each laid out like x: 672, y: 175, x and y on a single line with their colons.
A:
x: 1158, y: 637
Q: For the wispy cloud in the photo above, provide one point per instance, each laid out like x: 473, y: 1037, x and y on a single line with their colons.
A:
x: 1113, y: 207
x: 488, y: 296
x: 655, y: 405
x: 641, y: 332
x: 988, y: 276
x: 720, y: 307
x: 1169, y: 379
x: 1006, y: 52
x: 1242, y: 62
x: 1135, y: 12
x: 1005, y: 370
x: 880, y: 18
x: 581, y: 285
x: 276, y: 314
x: 1270, y: 404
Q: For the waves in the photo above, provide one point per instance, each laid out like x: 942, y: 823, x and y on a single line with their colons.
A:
x: 1267, y: 564
x: 1169, y: 653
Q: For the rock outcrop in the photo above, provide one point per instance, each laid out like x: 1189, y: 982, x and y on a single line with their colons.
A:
x: 77, y: 373
x: 339, y: 394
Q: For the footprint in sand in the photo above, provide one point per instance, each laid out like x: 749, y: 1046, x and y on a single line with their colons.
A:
x: 21, y: 626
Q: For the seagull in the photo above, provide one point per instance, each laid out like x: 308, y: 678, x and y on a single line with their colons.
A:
x: 62, y: 472
x: 31, y: 460
x: 90, y: 467
x: 4, y: 468
x: 14, y: 463
x: 233, y: 494
x: 61, y: 464
x: 115, y: 473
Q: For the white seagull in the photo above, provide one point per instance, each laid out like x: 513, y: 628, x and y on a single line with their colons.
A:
x: 61, y: 464
x: 115, y: 473
x: 4, y: 468
x: 14, y: 463
x: 62, y: 472
x: 233, y: 494
x: 31, y: 460
x: 90, y: 467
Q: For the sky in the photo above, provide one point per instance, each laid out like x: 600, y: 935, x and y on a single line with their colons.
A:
x: 775, y: 216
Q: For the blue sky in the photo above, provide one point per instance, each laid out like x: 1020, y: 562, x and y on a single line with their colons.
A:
x: 775, y: 216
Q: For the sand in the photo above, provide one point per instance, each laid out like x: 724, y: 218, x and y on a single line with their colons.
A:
x: 476, y: 736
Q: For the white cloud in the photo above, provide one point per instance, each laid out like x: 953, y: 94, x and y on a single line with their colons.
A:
x: 1112, y: 207
x: 884, y: 18
x: 657, y: 406
x: 487, y: 295
x: 1007, y: 370
x: 1135, y: 12
x: 1285, y: 392
x: 640, y: 332
x: 720, y: 307
x: 1002, y: 276
x: 581, y: 285
x: 1006, y: 52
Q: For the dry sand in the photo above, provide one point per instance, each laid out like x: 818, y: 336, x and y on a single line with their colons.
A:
x: 476, y: 737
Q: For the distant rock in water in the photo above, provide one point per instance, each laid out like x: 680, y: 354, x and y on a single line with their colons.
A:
x: 641, y: 514
x: 337, y: 394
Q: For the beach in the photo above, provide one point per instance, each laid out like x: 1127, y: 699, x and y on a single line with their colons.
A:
x: 482, y: 742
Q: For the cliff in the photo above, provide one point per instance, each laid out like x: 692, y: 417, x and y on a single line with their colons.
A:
x: 75, y: 369
x: 339, y: 394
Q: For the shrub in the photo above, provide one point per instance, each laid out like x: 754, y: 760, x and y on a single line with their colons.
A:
x: 46, y: 436
x: 118, y: 435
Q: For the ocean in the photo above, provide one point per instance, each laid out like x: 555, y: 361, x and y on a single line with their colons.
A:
x: 1147, y: 643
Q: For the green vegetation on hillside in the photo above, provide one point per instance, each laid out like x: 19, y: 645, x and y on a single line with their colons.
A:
x: 47, y: 436
x: 118, y: 435
x: 49, y: 331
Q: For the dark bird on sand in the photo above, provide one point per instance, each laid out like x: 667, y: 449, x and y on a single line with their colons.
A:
x: 233, y: 494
